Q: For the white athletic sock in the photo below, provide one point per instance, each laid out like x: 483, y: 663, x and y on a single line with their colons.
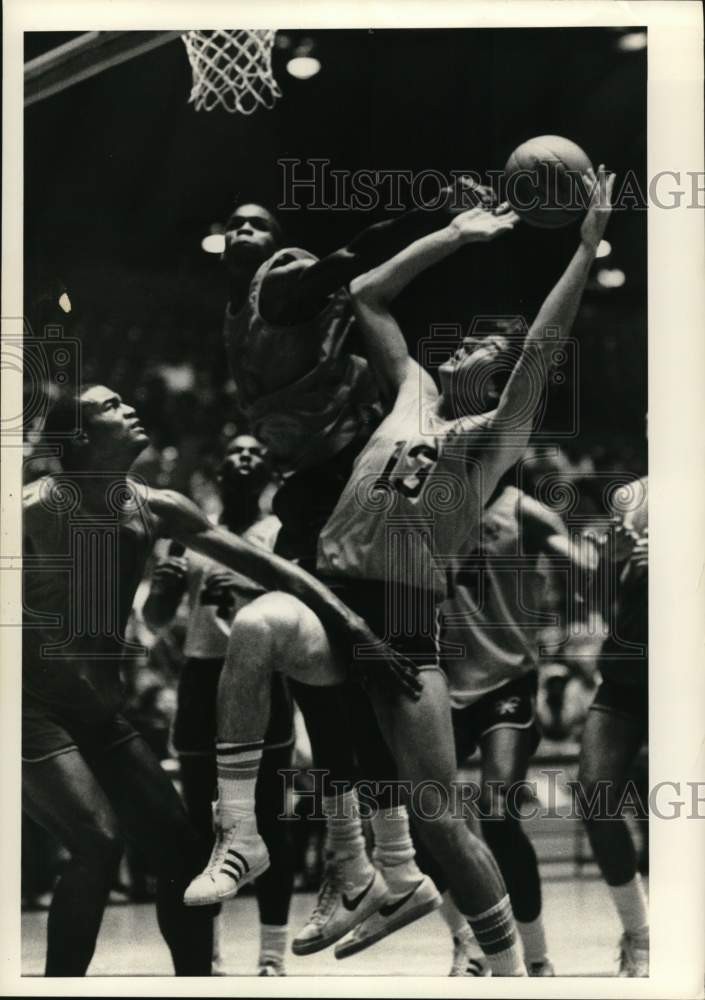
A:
x: 344, y: 838
x: 457, y: 923
x: 238, y: 768
x: 495, y: 932
x: 394, y: 849
x: 272, y: 944
x: 534, y: 940
x: 633, y: 908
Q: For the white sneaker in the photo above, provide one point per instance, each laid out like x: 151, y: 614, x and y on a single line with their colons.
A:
x: 633, y: 958
x: 340, y: 907
x: 396, y: 912
x: 466, y: 960
x: 239, y: 856
x: 542, y: 968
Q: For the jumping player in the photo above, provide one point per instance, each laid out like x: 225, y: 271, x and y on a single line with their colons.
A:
x: 617, y: 727
x: 472, y: 454
x: 87, y: 776
x: 215, y: 595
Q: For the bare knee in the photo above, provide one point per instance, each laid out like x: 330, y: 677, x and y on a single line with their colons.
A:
x: 97, y: 844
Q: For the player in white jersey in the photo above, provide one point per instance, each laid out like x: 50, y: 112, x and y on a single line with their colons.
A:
x: 215, y: 596
x: 488, y: 635
x: 425, y: 441
x: 87, y: 777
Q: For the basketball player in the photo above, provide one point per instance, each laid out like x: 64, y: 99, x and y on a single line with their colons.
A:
x: 617, y: 727
x: 315, y: 405
x: 493, y: 613
x: 214, y: 596
x: 469, y: 454
x: 87, y: 776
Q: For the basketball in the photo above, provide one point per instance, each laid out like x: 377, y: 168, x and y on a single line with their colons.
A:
x: 543, y: 181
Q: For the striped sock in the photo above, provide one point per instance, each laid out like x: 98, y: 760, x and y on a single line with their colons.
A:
x: 496, y: 933
x: 238, y: 767
x: 272, y: 944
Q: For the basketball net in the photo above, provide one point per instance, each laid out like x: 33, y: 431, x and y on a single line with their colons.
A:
x: 231, y: 69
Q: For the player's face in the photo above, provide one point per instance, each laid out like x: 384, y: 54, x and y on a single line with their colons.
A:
x: 250, y: 237
x: 468, y: 377
x: 245, y: 463
x: 111, y: 425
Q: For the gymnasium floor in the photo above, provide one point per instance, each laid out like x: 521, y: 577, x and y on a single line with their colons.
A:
x: 581, y: 927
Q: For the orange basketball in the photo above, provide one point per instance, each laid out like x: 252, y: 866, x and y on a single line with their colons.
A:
x: 543, y: 181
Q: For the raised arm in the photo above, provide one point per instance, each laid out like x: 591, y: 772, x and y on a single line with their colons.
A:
x: 512, y: 422
x: 183, y: 521
x: 300, y: 293
x: 373, y: 292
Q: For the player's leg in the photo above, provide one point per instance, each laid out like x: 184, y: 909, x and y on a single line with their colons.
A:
x: 611, y: 740
x: 152, y: 814
x: 505, y: 757
x: 274, y: 888
x: 62, y: 795
x: 420, y: 734
x: 411, y: 893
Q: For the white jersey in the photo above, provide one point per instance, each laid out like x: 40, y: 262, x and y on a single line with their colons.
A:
x: 207, y: 631
x: 303, y: 395
x: 415, y: 497
x: 493, y: 615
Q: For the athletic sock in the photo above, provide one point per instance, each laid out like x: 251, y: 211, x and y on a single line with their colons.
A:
x: 345, y: 842
x: 394, y: 849
x: 534, y: 940
x: 272, y: 944
x: 238, y: 768
x: 495, y: 932
x: 456, y: 922
x: 632, y: 906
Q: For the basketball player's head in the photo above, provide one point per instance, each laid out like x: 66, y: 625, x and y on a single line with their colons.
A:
x: 245, y: 467
x: 252, y: 234
x: 473, y: 378
x: 97, y: 430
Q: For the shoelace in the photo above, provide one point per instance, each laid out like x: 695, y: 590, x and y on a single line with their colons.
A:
x: 326, y: 899
x: 220, y: 848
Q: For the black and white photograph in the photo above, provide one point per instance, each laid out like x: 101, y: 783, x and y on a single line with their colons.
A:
x: 338, y: 372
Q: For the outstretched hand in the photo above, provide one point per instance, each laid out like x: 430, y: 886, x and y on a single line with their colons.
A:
x: 381, y: 657
x: 479, y: 225
x: 600, y: 186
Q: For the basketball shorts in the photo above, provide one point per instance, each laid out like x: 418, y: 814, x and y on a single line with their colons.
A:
x: 629, y: 701
x: 511, y: 706
x: 49, y: 731
x: 195, y: 723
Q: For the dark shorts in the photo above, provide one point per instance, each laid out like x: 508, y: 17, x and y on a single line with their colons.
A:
x: 195, y: 723
x: 48, y: 731
x: 511, y: 706
x: 630, y: 701
x: 408, y: 623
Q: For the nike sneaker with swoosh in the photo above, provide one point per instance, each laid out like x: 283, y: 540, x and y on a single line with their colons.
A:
x: 340, y: 908
x: 398, y: 911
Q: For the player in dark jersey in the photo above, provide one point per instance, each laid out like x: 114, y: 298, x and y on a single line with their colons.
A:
x: 467, y: 456
x: 215, y: 595
x: 315, y: 404
x: 87, y: 776
x: 617, y: 723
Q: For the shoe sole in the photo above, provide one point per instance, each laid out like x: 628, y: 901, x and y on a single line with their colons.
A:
x: 394, y: 924
x: 250, y: 876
